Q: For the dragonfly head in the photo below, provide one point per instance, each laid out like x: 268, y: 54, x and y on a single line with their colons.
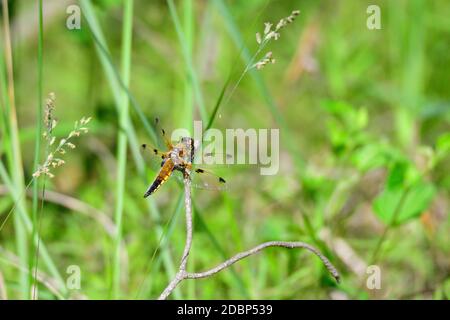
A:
x: 189, y: 147
x: 188, y: 141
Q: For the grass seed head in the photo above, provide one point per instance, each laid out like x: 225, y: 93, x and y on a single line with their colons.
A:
x: 48, y: 111
x: 80, y: 127
x: 258, y: 38
x: 270, y: 34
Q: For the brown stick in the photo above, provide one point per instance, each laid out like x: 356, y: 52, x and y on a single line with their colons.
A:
x: 182, y: 274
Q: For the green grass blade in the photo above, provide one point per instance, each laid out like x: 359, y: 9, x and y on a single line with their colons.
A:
x: 213, y: 115
x: 163, y: 241
x: 193, y: 78
x: 38, y: 132
x: 23, y: 216
x: 202, y: 224
x: 235, y: 34
x: 127, y: 30
x: 188, y: 27
x: 116, y: 85
x: 14, y: 154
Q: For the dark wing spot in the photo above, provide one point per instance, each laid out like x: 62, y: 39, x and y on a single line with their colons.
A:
x: 155, y: 151
x: 163, y: 132
x: 199, y: 170
x: 222, y: 180
x: 156, y: 120
x: 144, y: 146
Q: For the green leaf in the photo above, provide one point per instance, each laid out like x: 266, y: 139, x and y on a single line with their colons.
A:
x: 361, y: 118
x: 369, y: 157
x: 402, y: 204
x: 337, y: 108
x: 397, y: 175
x: 443, y: 144
x: 406, y: 195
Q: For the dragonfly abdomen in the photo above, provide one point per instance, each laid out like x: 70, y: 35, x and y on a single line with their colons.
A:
x: 163, y: 175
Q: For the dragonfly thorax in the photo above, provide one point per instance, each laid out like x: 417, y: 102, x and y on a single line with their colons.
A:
x: 182, y: 153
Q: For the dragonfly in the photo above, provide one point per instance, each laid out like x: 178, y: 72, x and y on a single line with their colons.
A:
x: 179, y: 159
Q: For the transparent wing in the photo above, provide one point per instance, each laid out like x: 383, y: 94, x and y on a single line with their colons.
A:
x: 215, y: 159
x: 153, y: 157
x: 162, y: 134
x: 204, y: 179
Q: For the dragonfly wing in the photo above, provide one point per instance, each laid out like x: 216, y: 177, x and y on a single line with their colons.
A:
x: 162, y: 134
x: 153, y: 157
x: 213, y: 158
x: 204, y: 179
x: 152, y: 153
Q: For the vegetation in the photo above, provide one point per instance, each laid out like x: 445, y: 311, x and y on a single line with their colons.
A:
x: 364, y: 118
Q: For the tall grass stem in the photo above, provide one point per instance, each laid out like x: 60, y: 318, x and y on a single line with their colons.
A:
x: 127, y: 30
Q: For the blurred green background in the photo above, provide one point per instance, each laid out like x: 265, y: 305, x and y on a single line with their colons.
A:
x: 364, y: 118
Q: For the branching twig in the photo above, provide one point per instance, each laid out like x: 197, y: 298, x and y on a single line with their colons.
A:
x: 182, y: 274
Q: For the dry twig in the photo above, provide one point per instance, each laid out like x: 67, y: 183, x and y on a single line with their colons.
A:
x: 182, y: 274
